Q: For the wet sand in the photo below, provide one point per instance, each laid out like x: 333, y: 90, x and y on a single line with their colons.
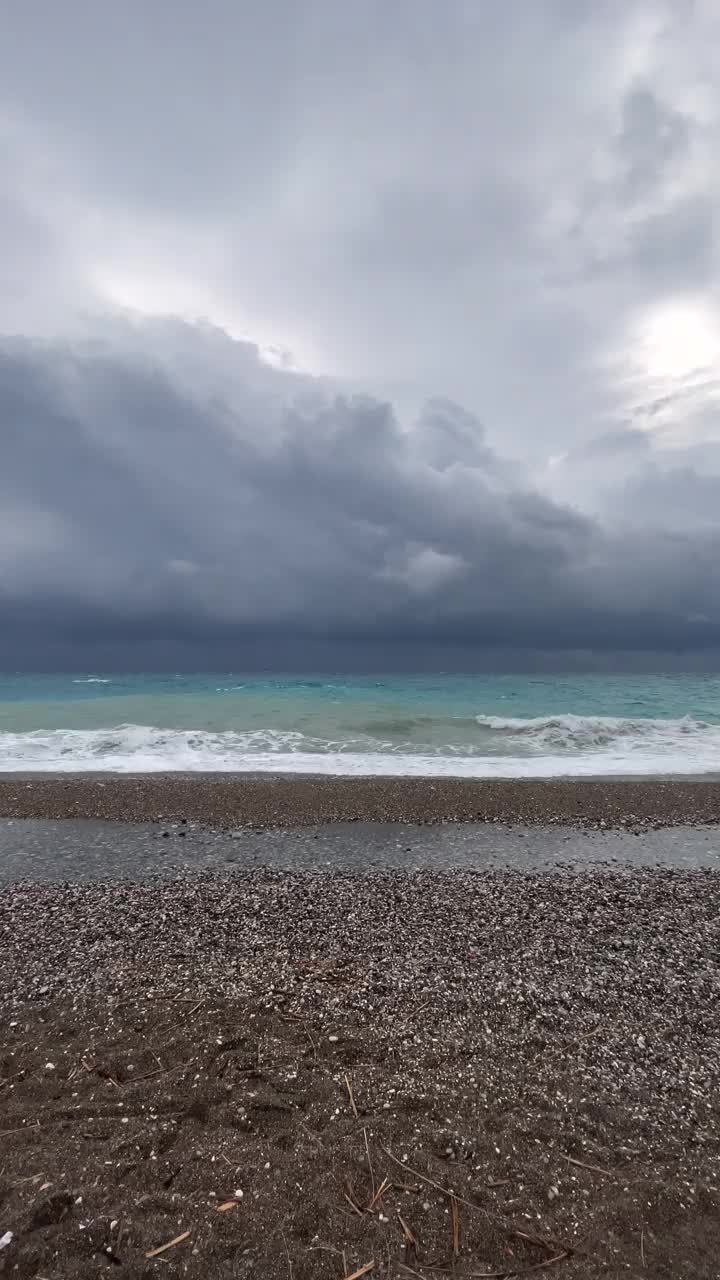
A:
x: 85, y: 850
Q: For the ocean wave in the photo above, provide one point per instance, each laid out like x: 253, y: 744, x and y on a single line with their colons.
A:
x: 545, y: 746
x: 592, y: 733
x: 92, y: 680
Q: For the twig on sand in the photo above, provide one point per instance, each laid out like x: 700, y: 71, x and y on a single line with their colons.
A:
x: 350, y: 1095
x: 543, y: 1241
x: 312, y: 1040
x: 519, y: 1271
x: 453, y: 1196
x: 372, y: 1175
x: 594, y: 1168
x: 100, y: 1071
x: 349, y: 1194
x: 23, y: 1129
x: 6, y: 1079
x: 642, y: 1246
x: 327, y: 1248
x: 362, y: 1271
x: 455, y: 1226
x: 160, y: 1071
x: 409, y: 1238
x: 385, y: 1185
x: 431, y: 1183
x: 155, y: 1253
x: 287, y: 1252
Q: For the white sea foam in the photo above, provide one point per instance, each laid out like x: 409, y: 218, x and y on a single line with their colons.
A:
x: 91, y: 680
x: 547, y: 746
x: 593, y: 733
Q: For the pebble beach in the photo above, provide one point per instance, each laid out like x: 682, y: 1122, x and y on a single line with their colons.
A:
x: 478, y: 1069
x: 275, y: 800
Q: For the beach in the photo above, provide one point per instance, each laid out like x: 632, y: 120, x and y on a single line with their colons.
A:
x: 228, y: 800
x: 491, y: 1048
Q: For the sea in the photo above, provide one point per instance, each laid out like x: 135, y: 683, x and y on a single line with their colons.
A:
x: 441, y: 725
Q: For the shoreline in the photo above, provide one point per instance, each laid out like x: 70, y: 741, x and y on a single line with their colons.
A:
x: 82, y: 850
x: 292, y: 800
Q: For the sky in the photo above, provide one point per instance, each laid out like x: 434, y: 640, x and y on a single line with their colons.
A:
x: 359, y: 334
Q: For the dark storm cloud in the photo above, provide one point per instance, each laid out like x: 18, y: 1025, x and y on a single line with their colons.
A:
x: 408, y: 207
x: 135, y: 508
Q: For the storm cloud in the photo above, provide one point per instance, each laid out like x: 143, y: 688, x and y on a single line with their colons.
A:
x: 377, y: 335
x: 133, y: 497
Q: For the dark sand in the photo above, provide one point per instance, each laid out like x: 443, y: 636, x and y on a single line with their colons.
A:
x: 260, y: 801
x: 539, y: 1049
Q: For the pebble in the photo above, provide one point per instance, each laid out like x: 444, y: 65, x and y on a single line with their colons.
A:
x: 505, y: 973
x: 271, y: 802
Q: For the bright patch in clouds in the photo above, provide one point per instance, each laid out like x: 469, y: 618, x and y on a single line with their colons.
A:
x: 154, y: 292
x: 677, y: 338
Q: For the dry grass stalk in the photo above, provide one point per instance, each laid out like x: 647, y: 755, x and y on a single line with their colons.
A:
x: 446, y: 1191
x: 101, y: 1071
x: 6, y: 1079
x: 287, y: 1253
x: 362, y: 1271
x: 409, y: 1238
x: 385, y: 1185
x: 455, y: 1226
x: 155, y: 1253
x: 23, y: 1129
x: 594, y: 1168
x: 161, y: 1071
x: 350, y: 1095
x: 349, y: 1194
x: 367, y: 1152
x: 544, y: 1242
x: 521, y: 1271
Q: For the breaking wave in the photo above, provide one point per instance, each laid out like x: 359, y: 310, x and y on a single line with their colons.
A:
x: 583, y: 733
x: 481, y: 746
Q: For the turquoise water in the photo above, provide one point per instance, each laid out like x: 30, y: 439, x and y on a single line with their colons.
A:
x: 466, y: 725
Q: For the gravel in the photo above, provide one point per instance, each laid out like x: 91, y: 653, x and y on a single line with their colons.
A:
x: 518, y: 940
x: 546, y: 1046
x: 225, y: 800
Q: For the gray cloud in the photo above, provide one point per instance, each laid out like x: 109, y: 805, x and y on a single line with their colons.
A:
x: 401, y: 209
x: 152, y: 506
x: 420, y: 200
